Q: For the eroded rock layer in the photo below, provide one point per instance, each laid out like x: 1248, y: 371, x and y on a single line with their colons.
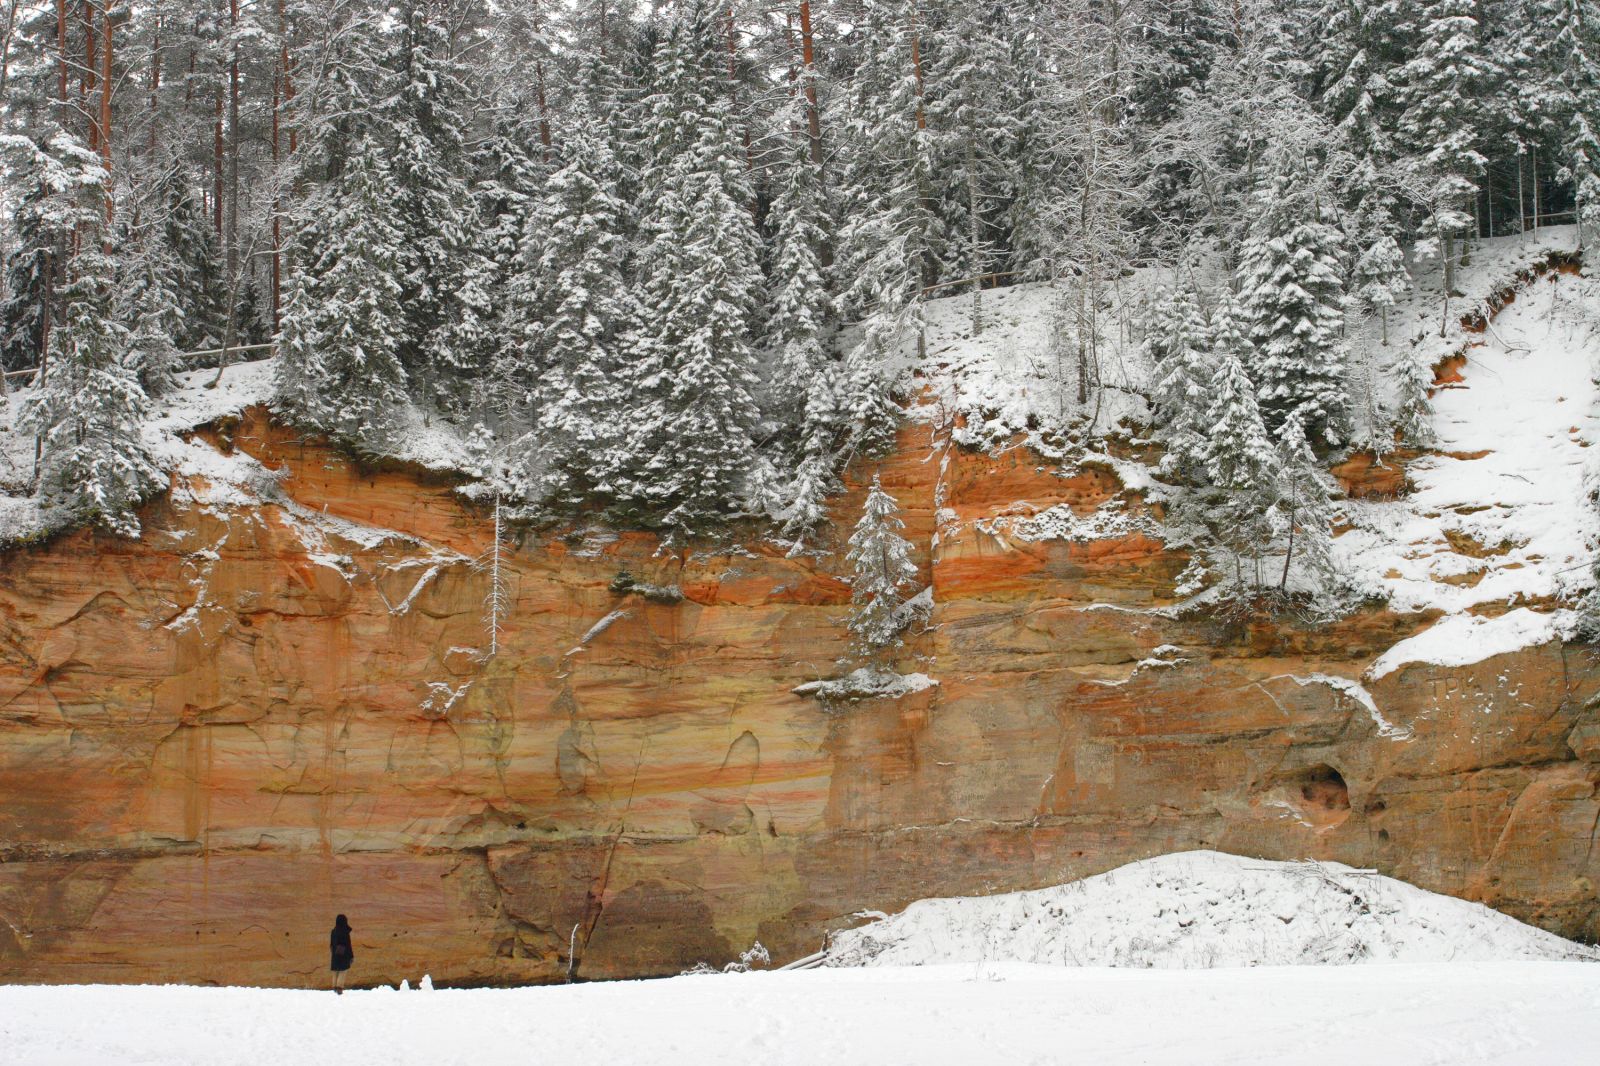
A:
x: 263, y: 713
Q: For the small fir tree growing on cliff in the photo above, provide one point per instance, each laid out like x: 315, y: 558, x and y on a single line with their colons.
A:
x: 881, y: 560
x: 1413, y: 407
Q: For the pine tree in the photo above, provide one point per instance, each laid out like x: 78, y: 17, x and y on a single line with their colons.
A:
x: 880, y: 561
x: 339, y: 366
x: 1292, y: 286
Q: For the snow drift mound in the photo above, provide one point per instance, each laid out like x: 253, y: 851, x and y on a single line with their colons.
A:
x: 1200, y: 909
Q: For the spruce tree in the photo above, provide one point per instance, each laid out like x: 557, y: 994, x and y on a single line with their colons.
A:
x: 505, y: 190
x: 888, y: 244
x: 972, y: 141
x: 801, y: 303
x: 1571, y: 100
x: 881, y: 567
x: 1380, y: 275
x: 691, y: 388
x: 1305, y: 511
x: 1413, y: 407
x: 1239, y: 476
x: 197, y: 267
x: 87, y: 408
x: 586, y: 322
x: 339, y: 363
x: 149, y: 304
x: 1292, y: 287
x: 445, y: 274
x: 1445, y: 81
x: 37, y: 236
x: 1037, y: 175
x: 1177, y: 349
x: 816, y: 478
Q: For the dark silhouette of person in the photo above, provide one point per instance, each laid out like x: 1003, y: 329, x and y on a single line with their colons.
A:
x: 343, y: 953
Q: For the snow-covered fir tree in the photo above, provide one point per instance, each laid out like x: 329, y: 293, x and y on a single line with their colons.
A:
x: 196, y: 264
x: 87, y: 407
x: 1304, y: 512
x: 881, y: 573
x: 801, y: 316
x: 1413, y: 382
x: 149, y: 303
x: 801, y: 394
x: 1232, y: 505
x: 446, y: 276
x: 575, y: 452
x: 1292, y: 287
x: 1445, y: 79
x: 1571, y: 99
x: 888, y: 243
x: 88, y: 410
x: 339, y: 366
x: 690, y: 393
x: 1177, y: 347
x: 1380, y: 276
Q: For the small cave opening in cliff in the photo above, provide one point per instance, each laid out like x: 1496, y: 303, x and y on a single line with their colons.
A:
x: 1317, y: 793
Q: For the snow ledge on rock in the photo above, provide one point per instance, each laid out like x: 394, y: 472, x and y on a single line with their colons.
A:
x: 866, y: 683
x: 1462, y: 640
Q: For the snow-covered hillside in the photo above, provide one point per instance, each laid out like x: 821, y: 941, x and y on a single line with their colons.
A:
x: 1203, y: 909
x: 201, y: 397
x: 1491, y: 532
x: 1496, y: 514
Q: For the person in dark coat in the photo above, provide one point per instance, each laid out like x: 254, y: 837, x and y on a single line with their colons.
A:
x: 341, y: 950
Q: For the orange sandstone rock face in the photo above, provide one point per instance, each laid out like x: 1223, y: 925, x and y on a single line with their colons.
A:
x: 215, y: 738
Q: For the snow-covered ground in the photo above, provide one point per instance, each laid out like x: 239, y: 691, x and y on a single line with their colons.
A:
x: 1496, y: 517
x: 1020, y: 978
x: 194, y: 403
x: 1469, y: 1014
x: 1202, y: 909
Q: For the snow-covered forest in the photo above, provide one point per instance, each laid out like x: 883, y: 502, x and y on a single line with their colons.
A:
x: 668, y: 264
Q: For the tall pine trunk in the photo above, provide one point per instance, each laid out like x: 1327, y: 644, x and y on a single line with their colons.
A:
x: 808, y: 68
x: 105, y: 113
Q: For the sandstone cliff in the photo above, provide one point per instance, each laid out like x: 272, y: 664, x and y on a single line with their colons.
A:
x: 279, y: 706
